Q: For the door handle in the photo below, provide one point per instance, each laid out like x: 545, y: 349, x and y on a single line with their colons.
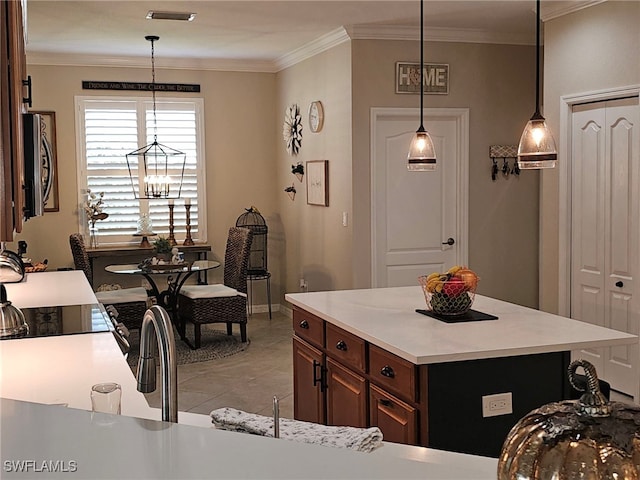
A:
x: 450, y: 241
x: 619, y: 284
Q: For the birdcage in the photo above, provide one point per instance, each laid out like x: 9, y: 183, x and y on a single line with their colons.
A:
x: 257, y: 268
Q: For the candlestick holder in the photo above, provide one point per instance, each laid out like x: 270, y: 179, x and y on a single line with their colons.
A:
x: 172, y: 238
x: 188, y: 240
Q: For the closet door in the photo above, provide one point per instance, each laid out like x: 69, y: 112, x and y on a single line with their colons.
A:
x: 605, y: 240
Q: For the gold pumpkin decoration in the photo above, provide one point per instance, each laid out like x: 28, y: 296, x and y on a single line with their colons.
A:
x: 589, y: 438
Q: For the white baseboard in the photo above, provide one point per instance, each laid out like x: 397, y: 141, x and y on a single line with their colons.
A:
x: 265, y: 308
x: 286, y: 311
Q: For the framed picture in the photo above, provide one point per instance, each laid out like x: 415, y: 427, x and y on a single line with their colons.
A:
x: 318, y: 182
x: 49, y: 161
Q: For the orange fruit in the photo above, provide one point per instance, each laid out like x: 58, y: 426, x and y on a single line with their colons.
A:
x: 469, y: 278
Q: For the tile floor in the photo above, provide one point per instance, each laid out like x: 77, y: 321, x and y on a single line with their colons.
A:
x: 247, y: 380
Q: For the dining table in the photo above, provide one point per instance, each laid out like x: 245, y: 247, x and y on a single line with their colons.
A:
x: 176, y: 276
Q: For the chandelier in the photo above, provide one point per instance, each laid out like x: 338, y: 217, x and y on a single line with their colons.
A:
x: 152, y: 164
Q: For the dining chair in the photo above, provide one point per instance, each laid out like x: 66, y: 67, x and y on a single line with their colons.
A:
x: 225, y: 302
x: 130, y: 303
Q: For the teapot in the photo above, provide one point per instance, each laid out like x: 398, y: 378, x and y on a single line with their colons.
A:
x: 12, y: 322
x: 11, y: 266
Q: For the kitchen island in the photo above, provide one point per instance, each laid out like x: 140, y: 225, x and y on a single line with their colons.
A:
x: 366, y: 357
x: 48, y: 431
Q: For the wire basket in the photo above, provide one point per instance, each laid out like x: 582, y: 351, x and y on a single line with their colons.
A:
x: 448, y: 297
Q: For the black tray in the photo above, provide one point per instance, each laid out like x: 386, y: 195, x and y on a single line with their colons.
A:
x: 470, y: 316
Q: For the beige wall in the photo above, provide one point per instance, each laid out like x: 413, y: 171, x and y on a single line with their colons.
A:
x: 240, y: 148
x: 314, y: 244
x: 590, y: 50
x: 496, y: 83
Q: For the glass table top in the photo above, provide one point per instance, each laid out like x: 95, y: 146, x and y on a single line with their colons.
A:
x: 136, y: 269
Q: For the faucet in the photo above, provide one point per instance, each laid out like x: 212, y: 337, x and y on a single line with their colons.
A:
x: 156, y: 322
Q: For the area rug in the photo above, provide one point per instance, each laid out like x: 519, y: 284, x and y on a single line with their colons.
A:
x: 215, y: 344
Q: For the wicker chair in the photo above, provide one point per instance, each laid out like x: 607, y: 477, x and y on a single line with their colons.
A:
x: 221, y: 303
x: 130, y: 303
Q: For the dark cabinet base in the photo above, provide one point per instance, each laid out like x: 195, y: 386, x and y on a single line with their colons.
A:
x: 456, y: 390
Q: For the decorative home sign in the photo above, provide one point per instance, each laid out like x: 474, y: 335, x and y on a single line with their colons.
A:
x: 147, y: 87
x: 318, y: 182
x: 436, y: 78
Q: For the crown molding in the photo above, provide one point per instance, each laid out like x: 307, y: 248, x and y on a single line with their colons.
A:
x: 559, y: 9
x: 437, y: 34
x: 322, y: 44
x: 214, y: 64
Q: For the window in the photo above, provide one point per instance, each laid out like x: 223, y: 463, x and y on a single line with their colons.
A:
x: 108, y: 129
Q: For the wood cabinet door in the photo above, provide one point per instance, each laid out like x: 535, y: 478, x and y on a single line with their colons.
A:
x: 308, y: 378
x: 18, y: 73
x: 346, y: 396
x: 397, y: 420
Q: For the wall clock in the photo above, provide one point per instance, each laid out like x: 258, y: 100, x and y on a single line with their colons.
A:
x: 292, y: 129
x: 316, y: 116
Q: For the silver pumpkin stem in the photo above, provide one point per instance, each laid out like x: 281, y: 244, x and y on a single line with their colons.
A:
x: 592, y: 403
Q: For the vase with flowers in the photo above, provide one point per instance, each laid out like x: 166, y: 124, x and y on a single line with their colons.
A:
x: 93, y: 209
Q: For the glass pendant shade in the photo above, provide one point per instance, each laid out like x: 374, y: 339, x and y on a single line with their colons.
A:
x: 537, y: 148
x: 422, y: 154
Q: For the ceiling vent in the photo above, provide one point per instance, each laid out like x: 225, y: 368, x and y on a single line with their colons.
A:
x: 181, y: 16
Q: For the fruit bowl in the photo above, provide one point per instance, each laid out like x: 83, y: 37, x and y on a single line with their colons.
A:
x: 450, y: 293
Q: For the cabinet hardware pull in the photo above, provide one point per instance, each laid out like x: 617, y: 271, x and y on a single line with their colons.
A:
x: 304, y: 324
x: 619, y: 284
x: 387, y: 371
x: 341, y: 345
x: 317, y: 379
x: 28, y: 99
x: 385, y: 402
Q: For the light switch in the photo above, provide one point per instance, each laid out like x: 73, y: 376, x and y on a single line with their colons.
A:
x: 345, y: 219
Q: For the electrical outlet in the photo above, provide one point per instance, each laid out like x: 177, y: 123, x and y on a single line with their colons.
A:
x: 303, y: 284
x: 498, y: 404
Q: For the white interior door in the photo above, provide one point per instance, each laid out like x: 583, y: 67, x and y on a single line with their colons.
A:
x: 414, y: 214
x: 605, y: 237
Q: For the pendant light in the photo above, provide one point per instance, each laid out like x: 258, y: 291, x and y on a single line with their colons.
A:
x: 537, y: 148
x: 156, y: 160
x: 422, y: 154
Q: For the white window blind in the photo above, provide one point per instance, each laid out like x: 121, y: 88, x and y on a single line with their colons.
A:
x: 109, y: 129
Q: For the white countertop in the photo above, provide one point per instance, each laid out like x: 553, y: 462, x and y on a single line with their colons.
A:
x: 386, y: 317
x: 46, y: 289
x: 50, y: 371
x: 112, y: 446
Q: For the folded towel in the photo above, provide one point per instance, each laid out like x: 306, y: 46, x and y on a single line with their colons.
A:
x: 360, y: 439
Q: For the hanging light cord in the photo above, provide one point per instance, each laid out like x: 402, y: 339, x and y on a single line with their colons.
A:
x: 153, y: 88
x: 538, y: 57
x: 422, y: 63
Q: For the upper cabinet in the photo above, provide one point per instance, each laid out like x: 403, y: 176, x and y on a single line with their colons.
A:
x: 14, y: 96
